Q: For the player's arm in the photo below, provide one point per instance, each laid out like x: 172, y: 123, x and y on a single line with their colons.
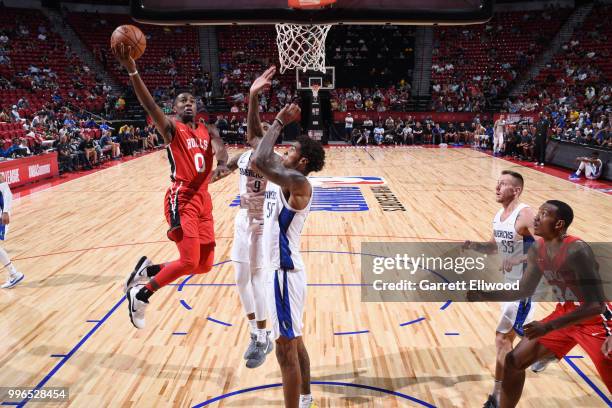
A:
x: 254, y: 131
x: 7, y: 197
x: 487, y: 247
x: 524, y: 227
x: 582, y: 262
x: 270, y: 165
x: 527, y: 285
x: 220, y: 153
x: 232, y: 165
x: 163, y: 124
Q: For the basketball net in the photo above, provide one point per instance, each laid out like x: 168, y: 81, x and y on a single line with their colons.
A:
x: 301, y: 46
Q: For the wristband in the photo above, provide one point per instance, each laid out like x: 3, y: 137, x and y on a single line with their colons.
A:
x: 133, y: 73
x: 279, y: 121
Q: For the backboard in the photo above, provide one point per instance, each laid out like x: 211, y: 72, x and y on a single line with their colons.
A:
x: 210, y: 12
x: 325, y: 80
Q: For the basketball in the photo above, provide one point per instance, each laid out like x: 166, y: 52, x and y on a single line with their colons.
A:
x: 130, y: 36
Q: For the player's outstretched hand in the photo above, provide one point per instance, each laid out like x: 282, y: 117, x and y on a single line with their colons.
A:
x: 606, y: 348
x: 290, y: 113
x: 122, y: 53
x: 535, y: 329
x: 264, y: 81
x: 220, y: 172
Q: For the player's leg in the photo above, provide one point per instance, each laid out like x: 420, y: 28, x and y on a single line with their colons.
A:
x: 524, y: 354
x: 263, y: 343
x: 286, y: 295
x: 306, y: 400
x: 242, y: 276
x: 14, y: 276
x: 138, y: 295
x: 504, y: 338
x: 288, y: 360
x: 591, y: 338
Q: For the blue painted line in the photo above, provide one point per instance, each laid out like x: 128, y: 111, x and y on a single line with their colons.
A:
x: 353, y: 332
x: 185, y: 305
x: 58, y: 355
x: 333, y: 383
x: 451, y: 334
x: 447, y: 304
x: 420, y: 319
x: 63, y: 361
x: 179, y: 333
x: 599, y: 392
x: 11, y: 403
x: 182, y: 284
x: 218, y: 321
x: 92, y: 321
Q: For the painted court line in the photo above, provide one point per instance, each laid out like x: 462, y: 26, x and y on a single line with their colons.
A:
x: 420, y: 319
x: 352, y: 332
x: 210, y: 319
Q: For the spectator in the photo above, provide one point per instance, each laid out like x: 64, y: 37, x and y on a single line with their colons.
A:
x: 348, y: 126
x: 592, y: 167
x: 88, y: 148
x: 526, y: 146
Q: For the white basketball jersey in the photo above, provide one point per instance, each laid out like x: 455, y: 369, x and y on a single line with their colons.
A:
x: 282, y: 230
x: 509, y: 241
x: 252, y: 187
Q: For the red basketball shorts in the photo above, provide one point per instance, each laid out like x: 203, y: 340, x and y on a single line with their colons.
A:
x: 590, y: 336
x: 189, y: 214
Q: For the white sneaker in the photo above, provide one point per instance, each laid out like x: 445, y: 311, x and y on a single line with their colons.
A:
x: 13, y: 279
x: 541, y: 365
x: 307, y: 402
x: 139, y: 275
x: 136, y: 307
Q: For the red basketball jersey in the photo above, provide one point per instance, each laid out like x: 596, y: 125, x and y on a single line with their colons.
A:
x: 191, y: 155
x: 564, y: 281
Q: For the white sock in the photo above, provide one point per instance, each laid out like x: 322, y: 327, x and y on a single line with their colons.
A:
x: 253, y: 326
x: 261, y: 335
x: 497, y: 391
x: 6, y: 262
x: 305, y: 399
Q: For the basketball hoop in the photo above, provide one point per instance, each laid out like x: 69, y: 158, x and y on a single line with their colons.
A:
x: 302, y: 46
x: 315, y: 90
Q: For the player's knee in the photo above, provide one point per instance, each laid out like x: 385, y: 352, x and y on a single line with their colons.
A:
x: 513, y: 362
x: 503, y: 341
x: 189, y: 264
x: 286, y: 352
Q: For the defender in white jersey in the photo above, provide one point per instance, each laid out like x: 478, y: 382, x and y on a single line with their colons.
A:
x: 6, y: 204
x: 247, y: 249
x: 288, y: 199
x: 512, y: 236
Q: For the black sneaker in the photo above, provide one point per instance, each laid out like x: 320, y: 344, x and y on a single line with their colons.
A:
x: 491, y: 402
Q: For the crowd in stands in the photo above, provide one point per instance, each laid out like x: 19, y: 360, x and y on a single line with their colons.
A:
x: 80, y: 140
x: 475, y: 65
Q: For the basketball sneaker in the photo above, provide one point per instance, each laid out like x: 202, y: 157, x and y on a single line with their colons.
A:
x: 307, y: 402
x: 574, y: 177
x: 251, y: 349
x: 13, y: 279
x: 138, y: 275
x: 136, y: 307
x: 541, y: 365
x: 491, y: 402
x: 262, y: 349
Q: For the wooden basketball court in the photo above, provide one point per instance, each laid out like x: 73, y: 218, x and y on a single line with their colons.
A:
x: 67, y: 324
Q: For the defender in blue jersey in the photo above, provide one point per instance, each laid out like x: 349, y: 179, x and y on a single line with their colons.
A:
x: 288, y: 198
